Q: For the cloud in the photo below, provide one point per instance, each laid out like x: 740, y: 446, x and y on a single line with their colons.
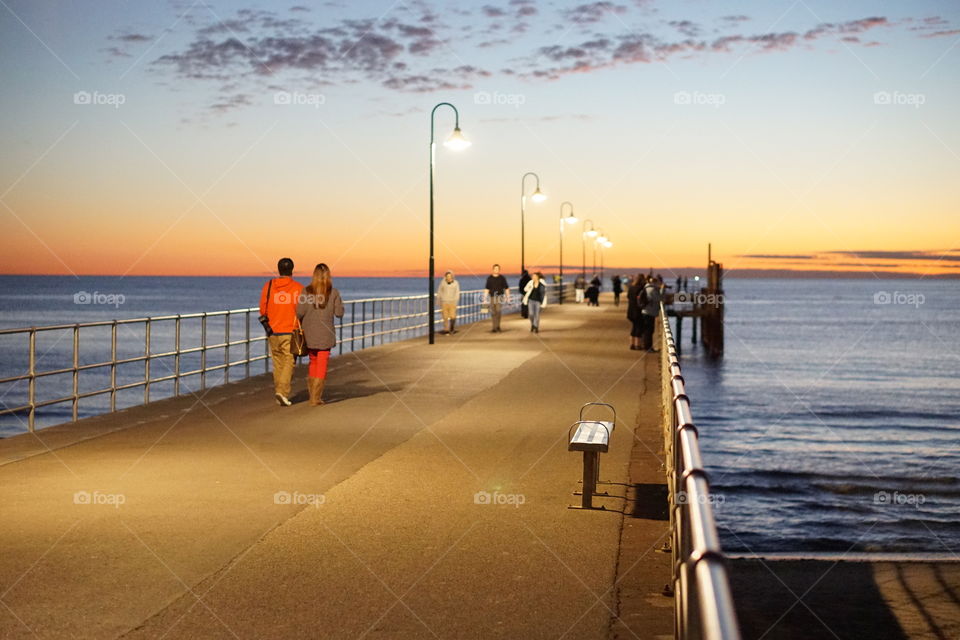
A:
x: 941, y: 34
x: 777, y: 256
x: 253, y: 45
x: 645, y: 47
x: 903, y: 256
x: 593, y: 12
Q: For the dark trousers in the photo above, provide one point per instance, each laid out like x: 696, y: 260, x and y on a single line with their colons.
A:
x: 647, y: 323
x: 524, y: 311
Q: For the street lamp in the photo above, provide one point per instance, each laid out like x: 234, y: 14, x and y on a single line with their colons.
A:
x: 455, y: 142
x: 536, y: 196
x: 583, y: 246
x: 568, y: 220
x: 604, y: 243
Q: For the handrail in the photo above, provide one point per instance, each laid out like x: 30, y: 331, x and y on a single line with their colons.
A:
x: 366, y: 322
x: 703, y: 600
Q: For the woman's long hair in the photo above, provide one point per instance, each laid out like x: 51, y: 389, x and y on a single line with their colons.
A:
x: 320, y: 286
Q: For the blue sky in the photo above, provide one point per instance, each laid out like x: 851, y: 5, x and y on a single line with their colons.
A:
x: 760, y: 126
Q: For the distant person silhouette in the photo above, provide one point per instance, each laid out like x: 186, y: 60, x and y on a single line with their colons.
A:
x: 496, y: 292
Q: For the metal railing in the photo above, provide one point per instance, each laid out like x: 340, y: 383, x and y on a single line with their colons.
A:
x: 173, y: 348
x: 702, y: 598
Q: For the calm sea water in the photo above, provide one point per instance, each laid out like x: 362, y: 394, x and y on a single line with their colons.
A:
x: 833, y: 420
x: 830, y: 424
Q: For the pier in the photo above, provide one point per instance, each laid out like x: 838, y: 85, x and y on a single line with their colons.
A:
x: 429, y: 497
x: 436, y: 495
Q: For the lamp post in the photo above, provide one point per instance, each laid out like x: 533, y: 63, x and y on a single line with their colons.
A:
x: 568, y: 220
x: 457, y: 142
x: 583, y: 246
x: 604, y: 243
x: 599, y: 239
x: 536, y: 196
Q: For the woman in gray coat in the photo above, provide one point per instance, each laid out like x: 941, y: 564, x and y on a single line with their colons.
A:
x: 316, y: 310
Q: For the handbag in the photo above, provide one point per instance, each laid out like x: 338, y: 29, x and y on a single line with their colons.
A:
x: 298, y: 342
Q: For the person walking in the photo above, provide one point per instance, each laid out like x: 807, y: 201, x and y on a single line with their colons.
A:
x: 278, y: 305
x: 496, y: 292
x: 535, y: 297
x: 578, y: 286
x: 633, y: 311
x: 449, y: 294
x: 524, y: 279
x: 649, y: 302
x: 316, y: 312
x: 617, y: 289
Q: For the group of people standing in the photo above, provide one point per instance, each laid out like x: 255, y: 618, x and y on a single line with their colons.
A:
x: 288, y: 310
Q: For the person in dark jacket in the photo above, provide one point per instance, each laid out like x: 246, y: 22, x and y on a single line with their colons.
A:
x: 496, y: 292
x: 633, y: 311
x: 617, y: 289
x: 524, y: 279
x: 316, y: 311
x: 535, y: 296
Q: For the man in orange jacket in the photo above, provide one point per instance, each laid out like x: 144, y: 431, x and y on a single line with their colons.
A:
x: 280, y: 307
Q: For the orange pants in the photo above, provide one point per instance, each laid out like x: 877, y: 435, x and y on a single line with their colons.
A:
x: 318, y: 362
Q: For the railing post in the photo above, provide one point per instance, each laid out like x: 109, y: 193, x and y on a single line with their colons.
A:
x: 203, y: 351
x: 76, y: 371
x: 353, y: 325
x: 226, y: 347
x: 32, y: 383
x: 176, y: 357
x: 113, y: 366
x: 363, y: 325
x: 246, y: 349
x: 146, y: 362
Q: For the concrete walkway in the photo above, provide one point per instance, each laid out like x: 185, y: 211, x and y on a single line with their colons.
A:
x: 428, y: 499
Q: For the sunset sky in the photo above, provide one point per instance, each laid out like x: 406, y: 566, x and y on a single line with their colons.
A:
x: 213, y: 137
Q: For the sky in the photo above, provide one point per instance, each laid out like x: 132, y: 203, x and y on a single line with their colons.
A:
x: 211, y: 138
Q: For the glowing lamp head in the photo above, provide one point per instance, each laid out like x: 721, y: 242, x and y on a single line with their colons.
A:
x: 607, y: 244
x: 571, y: 219
x: 457, y: 141
x: 538, y: 196
x: 591, y: 233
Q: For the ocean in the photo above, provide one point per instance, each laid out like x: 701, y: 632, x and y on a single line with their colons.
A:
x: 831, y: 423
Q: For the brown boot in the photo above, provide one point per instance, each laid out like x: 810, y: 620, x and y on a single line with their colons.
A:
x: 315, y: 387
